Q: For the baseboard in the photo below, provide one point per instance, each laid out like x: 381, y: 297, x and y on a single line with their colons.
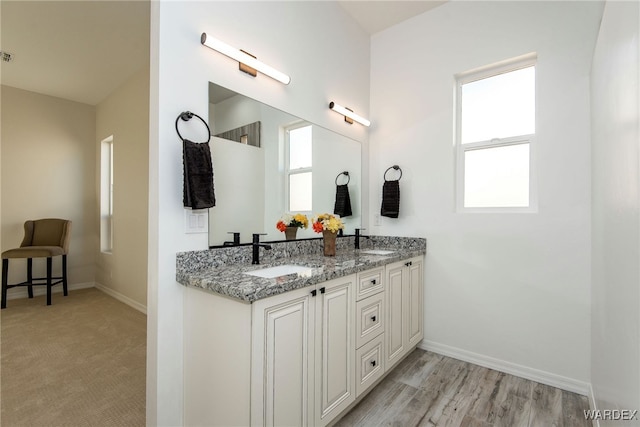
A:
x: 21, y: 292
x: 537, y: 375
x: 122, y: 298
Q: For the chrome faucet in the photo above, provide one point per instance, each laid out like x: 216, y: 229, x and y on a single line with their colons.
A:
x: 256, y: 248
x: 358, y: 236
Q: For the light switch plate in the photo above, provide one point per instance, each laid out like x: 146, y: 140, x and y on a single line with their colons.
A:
x: 196, y: 221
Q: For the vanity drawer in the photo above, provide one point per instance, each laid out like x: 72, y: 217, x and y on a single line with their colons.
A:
x: 369, y: 364
x: 369, y: 320
x: 370, y: 283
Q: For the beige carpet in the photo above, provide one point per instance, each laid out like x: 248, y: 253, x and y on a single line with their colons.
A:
x: 78, y: 362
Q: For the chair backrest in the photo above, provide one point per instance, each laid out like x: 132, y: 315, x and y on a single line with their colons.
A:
x: 47, y: 232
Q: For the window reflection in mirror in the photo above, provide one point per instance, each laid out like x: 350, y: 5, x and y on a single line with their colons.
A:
x: 291, y: 166
x: 298, y: 149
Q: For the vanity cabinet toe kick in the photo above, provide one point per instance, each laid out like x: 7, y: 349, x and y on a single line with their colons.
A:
x: 304, y: 357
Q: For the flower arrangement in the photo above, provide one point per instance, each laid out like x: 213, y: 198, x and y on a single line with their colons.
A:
x: 288, y: 220
x: 328, y: 222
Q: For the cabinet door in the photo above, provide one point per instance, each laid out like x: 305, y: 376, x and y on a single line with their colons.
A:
x: 335, y: 348
x: 282, y: 360
x: 405, y: 308
x: 396, y: 322
x: 415, y: 304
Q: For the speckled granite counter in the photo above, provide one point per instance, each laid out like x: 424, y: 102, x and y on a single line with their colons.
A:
x: 222, y: 270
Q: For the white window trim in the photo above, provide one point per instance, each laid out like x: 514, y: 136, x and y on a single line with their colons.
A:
x: 106, y: 195
x: 460, y: 149
x: 288, y: 172
x: 501, y: 67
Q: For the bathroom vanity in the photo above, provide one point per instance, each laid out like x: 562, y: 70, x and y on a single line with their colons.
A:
x: 300, y: 338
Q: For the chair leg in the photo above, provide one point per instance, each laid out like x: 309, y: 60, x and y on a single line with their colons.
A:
x: 49, y: 265
x: 64, y: 275
x: 30, y: 276
x: 5, y: 275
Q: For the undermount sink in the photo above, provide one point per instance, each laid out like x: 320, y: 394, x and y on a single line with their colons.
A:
x: 280, y: 270
x: 376, y: 252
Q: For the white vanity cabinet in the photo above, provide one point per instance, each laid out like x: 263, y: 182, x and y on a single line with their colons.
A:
x: 302, y: 370
x: 302, y: 357
x: 404, y: 310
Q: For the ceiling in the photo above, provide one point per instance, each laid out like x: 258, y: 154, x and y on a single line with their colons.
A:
x: 76, y: 50
x: 375, y: 16
x: 84, y: 50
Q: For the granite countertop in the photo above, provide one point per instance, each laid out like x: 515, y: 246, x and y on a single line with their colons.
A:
x: 203, y: 269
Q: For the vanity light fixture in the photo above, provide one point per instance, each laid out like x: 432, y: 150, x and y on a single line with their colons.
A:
x: 349, y: 115
x: 248, y: 63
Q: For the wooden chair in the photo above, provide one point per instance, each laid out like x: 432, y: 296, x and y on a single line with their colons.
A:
x: 43, y: 238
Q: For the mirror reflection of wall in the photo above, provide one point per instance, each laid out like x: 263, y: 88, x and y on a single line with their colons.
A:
x: 290, y: 166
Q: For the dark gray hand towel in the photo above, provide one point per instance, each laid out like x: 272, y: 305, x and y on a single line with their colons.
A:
x: 342, y: 206
x: 390, y: 199
x: 198, y: 175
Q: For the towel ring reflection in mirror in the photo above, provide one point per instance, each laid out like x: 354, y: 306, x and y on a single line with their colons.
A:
x: 395, y: 167
x: 343, y: 173
x: 188, y: 115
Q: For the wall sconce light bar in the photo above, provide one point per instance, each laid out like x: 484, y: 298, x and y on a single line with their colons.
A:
x: 349, y: 116
x: 246, y: 60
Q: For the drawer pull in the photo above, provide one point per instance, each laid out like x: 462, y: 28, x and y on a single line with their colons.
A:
x: 314, y: 293
x: 322, y: 290
x: 373, y: 281
x: 408, y: 263
x: 373, y: 363
x: 373, y: 318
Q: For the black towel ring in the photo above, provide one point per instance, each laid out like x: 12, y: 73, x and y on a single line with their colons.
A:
x: 396, y: 167
x: 343, y: 173
x: 188, y: 115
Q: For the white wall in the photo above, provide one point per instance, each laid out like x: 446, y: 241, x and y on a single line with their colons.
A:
x: 327, y: 57
x: 47, y: 158
x: 510, y: 291
x: 615, y: 327
x: 125, y: 115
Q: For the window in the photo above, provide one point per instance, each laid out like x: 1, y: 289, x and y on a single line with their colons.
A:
x: 299, y: 163
x: 106, y: 195
x: 495, y: 124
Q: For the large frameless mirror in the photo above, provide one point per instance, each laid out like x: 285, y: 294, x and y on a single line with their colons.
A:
x: 268, y: 163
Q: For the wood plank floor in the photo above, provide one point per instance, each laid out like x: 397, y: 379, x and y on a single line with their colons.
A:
x: 428, y: 389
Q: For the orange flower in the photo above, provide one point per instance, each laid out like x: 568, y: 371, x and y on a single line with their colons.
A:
x: 281, y: 226
x: 318, y: 227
